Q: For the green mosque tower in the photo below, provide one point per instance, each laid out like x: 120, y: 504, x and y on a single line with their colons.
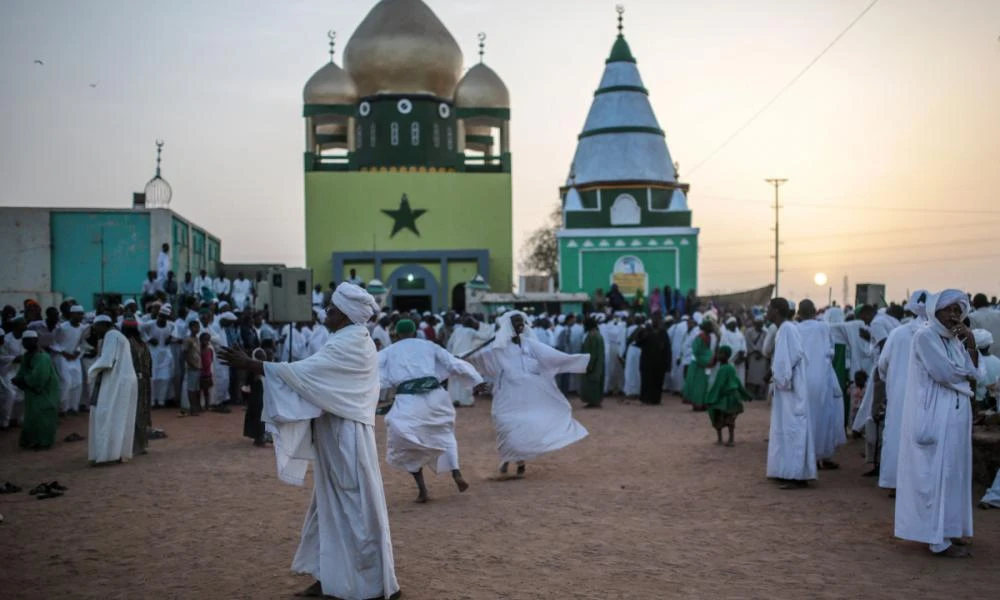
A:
x: 407, y: 163
x: 625, y: 214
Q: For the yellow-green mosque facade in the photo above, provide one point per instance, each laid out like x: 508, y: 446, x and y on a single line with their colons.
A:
x: 407, y: 163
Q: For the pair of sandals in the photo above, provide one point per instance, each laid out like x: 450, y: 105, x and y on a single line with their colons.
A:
x: 74, y: 437
x: 9, y: 488
x: 44, y: 491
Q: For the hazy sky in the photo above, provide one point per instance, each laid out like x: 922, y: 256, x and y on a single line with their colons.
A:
x: 891, y: 141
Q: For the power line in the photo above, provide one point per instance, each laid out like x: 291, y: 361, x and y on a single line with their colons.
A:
x: 784, y: 89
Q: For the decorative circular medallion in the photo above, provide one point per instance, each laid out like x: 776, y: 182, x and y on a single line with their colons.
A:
x: 404, y: 106
x: 444, y: 110
x: 364, y: 109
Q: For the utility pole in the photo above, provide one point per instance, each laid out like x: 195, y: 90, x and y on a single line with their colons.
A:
x: 776, y: 182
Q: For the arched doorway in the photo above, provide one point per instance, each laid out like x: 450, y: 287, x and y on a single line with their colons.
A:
x: 413, y: 288
x: 458, y: 298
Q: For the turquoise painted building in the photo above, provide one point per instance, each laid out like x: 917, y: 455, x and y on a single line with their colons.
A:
x: 626, y: 219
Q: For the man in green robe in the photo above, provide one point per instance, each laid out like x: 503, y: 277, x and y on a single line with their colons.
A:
x: 38, y: 379
x: 725, y: 398
x: 592, y: 382
x: 702, y: 360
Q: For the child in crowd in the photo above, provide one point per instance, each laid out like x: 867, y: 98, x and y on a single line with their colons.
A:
x: 856, y: 390
x: 725, y: 398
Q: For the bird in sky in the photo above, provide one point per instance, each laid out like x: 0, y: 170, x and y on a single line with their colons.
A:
x: 93, y: 85
x: 39, y: 61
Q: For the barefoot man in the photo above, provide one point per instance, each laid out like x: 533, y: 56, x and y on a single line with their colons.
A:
x: 322, y: 409
x: 420, y: 428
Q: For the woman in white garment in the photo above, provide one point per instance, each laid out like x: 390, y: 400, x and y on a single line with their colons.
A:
x: 934, y: 478
x: 420, y: 428
x: 531, y: 416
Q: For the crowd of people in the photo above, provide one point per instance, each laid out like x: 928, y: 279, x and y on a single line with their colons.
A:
x: 909, y: 378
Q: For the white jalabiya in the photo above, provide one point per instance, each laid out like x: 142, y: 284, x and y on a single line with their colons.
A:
x: 220, y: 372
x: 11, y: 397
x: 322, y: 410
x: 880, y: 328
x: 543, y: 335
x: 462, y: 341
x: 112, y: 420
x: 677, y: 333
x: 163, y: 360
x: 162, y: 265
x: 614, y: 371
x: 826, y: 408
x: 221, y: 286
x: 738, y: 343
x: 241, y: 292
x: 790, y: 451
x: 530, y: 414
x: 894, y: 369
x: 934, y: 478
x: 859, y: 354
x: 992, y: 495
x: 576, y: 335
x: 201, y: 284
x: 68, y: 338
x: 420, y: 429
x: 318, y: 339
x: 299, y: 339
x: 633, y: 355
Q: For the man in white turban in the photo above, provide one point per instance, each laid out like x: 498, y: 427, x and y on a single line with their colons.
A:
x: 934, y: 478
x: 116, y: 392
x: 322, y: 410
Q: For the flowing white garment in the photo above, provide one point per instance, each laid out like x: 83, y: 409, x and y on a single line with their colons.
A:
x: 576, y: 334
x: 894, y: 369
x: 614, y: 371
x: 826, y: 409
x: 112, y: 420
x: 241, y: 292
x: 790, y: 451
x: 738, y: 343
x: 67, y: 339
x: 934, y: 477
x: 220, y: 372
x: 462, y: 341
x: 530, y: 414
x: 331, y: 397
x: 633, y: 355
x: 420, y: 429
x: 318, y: 339
x: 678, y: 334
x: 992, y: 495
x: 163, y: 360
x: 881, y: 326
x: 11, y: 397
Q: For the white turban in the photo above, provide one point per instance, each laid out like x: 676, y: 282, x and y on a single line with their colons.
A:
x: 698, y: 317
x: 102, y: 319
x: 918, y: 303
x: 355, y: 302
x: 984, y: 339
x: 76, y: 309
x: 731, y: 320
x: 29, y: 334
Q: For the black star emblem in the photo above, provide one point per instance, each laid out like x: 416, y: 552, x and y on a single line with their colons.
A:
x: 404, y: 217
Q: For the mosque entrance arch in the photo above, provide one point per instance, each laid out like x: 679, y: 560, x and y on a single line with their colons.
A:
x: 413, y: 287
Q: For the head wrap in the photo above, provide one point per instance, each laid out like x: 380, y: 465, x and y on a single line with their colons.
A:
x: 917, y: 303
x: 102, y: 319
x: 165, y: 311
x: 76, y: 309
x: 228, y: 316
x: 945, y: 299
x: 132, y: 302
x: 405, y: 326
x: 29, y: 335
x: 29, y: 303
x: 561, y: 319
x: 267, y: 334
x: 984, y: 339
x: 731, y: 320
x: 506, y: 332
x: 834, y: 315
x: 355, y: 302
x: 223, y: 305
x: 697, y: 317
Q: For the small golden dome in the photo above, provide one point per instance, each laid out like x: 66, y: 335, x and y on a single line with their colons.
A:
x: 482, y: 88
x: 330, y: 85
x: 402, y: 47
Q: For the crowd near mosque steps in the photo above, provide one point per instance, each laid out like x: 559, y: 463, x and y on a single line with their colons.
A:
x: 406, y: 328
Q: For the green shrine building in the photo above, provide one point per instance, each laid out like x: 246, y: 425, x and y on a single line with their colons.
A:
x: 625, y: 214
x: 407, y: 163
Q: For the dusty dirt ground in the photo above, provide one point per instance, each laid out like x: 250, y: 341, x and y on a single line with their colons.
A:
x: 646, y: 507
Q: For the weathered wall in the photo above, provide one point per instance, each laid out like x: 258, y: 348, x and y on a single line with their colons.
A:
x: 26, y: 268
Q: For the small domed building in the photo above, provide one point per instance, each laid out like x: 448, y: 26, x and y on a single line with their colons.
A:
x: 626, y: 219
x: 407, y: 163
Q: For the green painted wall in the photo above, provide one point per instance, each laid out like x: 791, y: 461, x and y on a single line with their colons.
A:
x: 465, y: 211
x: 660, y: 261
x: 99, y: 252
x: 602, y: 217
x: 179, y: 249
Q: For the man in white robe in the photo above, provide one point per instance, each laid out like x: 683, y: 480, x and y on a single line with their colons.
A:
x: 894, y: 369
x: 531, y: 416
x: 576, y: 334
x: 321, y: 410
x: 163, y: 263
x: 825, y: 400
x: 113, y: 379
x: 989, y: 369
x: 468, y: 336
x: 158, y: 335
x: 420, y: 428
x: 934, y: 478
x: 614, y: 371
x: 242, y: 291
x: 66, y: 350
x: 11, y: 402
x: 677, y: 333
x: 221, y: 285
x: 733, y: 337
x: 632, y: 355
x: 791, y: 457
x: 203, y: 288
x: 985, y: 316
x: 879, y: 326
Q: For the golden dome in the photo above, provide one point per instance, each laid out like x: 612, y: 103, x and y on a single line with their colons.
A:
x: 482, y: 88
x: 402, y: 47
x: 330, y: 85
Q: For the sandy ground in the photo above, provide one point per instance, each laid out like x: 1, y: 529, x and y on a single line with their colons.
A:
x: 646, y: 507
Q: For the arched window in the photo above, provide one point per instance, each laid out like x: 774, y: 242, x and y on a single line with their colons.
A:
x: 625, y: 211
x: 415, y: 134
x: 437, y: 135
x: 394, y: 134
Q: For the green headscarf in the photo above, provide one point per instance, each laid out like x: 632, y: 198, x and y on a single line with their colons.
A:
x: 405, y: 326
